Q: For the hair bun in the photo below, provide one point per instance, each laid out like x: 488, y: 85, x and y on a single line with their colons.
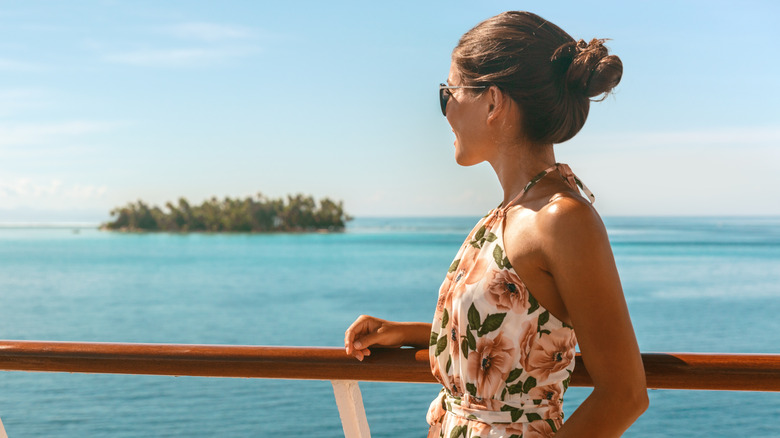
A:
x: 589, y: 68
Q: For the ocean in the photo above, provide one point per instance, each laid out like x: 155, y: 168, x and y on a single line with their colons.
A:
x: 692, y: 285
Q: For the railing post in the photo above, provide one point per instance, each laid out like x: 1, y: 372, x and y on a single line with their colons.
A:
x: 351, y: 409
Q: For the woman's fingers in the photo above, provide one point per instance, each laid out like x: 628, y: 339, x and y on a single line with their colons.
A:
x: 355, y: 341
x: 357, y: 327
x: 368, y: 331
x: 360, y: 354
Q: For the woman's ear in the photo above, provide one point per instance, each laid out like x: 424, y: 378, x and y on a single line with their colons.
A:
x: 497, y: 103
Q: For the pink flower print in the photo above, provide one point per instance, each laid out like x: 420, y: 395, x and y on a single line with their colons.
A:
x: 555, y: 413
x: 444, y: 290
x: 469, y: 271
x: 539, y: 429
x: 551, y: 393
x: 435, y: 411
x: 506, y: 291
x: 472, y: 266
x: 514, y: 429
x: 454, y: 340
x: 490, y: 364
x: 480, y: 429
x: 435, y: 430
x: 436, y: 372
x: 456, y: 387
x: 527, y: 339
x: 443, y: 298
x: 485, y: 404
x: 551, y: 353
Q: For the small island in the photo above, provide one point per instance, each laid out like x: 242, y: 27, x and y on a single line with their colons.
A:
x: 257, y: 214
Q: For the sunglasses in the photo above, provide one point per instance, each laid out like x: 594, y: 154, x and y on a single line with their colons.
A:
x: 444, y: 95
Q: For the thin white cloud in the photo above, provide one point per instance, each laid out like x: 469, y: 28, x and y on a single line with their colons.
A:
x: 207, y: 44
x: 21, y: 134
x: 14, y: 101
x: 209, y: 32
x: 22, y: 191
x: 79, y: 191
x: 179, y: 57
x: 7, y: 64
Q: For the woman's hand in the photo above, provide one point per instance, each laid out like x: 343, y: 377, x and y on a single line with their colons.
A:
x: 368, y: 331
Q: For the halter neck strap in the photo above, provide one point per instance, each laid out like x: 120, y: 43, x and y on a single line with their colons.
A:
x: 568, y: 176
x: 575, y: 182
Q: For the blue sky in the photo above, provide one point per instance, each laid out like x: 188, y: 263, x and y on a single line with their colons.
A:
x: 105, y: 102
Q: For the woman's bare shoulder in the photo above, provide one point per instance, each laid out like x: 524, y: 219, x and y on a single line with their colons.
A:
x: 569, y: 220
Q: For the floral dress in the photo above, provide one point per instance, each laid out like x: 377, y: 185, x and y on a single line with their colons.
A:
x: 503, y: 359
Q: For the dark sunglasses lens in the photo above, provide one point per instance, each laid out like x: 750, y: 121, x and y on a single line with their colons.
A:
x: 443, y: 98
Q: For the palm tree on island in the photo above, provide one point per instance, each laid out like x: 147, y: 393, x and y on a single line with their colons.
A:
x: 297, y: 213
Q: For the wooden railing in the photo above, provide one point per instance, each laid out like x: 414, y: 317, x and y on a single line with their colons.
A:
x: 733, y: 372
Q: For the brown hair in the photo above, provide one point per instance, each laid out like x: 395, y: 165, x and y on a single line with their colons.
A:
x: 549, y: 74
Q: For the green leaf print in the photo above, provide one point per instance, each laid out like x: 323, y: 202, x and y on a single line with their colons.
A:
x: 471, y: 389
x: 514, y: 435
x: 492, y: 322
x: 445, y: 318
x: 441, y: 344
x: 474, y: 318
x: 514, y: 374
x: 434, y: 337
x: 552, y: 424
x: 472, y: 341
x: 490, y: 237
x: 464, y: 347
x: 543, y: 318
x: 516, y: 388
x: 516, y: 413
x: 533, y: 416
x: 506, y: 263
x: 459, y: 431
x: 529, y: 384
x: 453, y: 266
x: 480, y: 233
x: 534, y: 304
x: 449, y: 364
x: 498, y: 256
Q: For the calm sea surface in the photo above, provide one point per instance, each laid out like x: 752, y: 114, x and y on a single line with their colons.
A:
x: 698, y: 285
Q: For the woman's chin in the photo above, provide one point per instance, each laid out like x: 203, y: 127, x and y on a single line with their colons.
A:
x: 463, y: 161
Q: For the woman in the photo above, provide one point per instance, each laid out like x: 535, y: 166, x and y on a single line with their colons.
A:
x: 538, y: 268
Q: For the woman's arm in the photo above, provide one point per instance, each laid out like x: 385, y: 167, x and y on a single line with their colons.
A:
x: 368, y: 331
x: 579, y: 257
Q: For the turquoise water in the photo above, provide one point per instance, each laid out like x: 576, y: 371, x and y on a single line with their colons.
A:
x: 702, y: 285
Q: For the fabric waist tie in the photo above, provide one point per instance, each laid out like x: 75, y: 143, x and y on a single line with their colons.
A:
x: 508, y: 413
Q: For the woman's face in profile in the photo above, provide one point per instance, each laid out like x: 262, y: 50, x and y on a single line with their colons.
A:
x: 466, y: 114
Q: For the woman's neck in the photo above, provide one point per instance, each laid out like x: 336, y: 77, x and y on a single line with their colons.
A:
x: 515, y: 165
